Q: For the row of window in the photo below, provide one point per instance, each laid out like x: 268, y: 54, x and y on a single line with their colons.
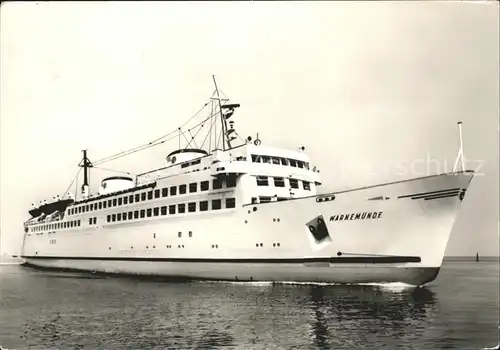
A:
x: 56, y: 226
x: 280, y: 182
x: 155, y: 194
x: 280, y: 160
x: 191, y: 207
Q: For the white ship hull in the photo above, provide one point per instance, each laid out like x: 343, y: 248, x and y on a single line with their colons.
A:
x: 401, y: 238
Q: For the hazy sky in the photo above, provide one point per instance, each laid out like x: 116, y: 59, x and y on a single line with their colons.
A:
x: 367, y: 87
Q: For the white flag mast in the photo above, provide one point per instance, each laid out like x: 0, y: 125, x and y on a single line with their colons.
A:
x: 460, y: 155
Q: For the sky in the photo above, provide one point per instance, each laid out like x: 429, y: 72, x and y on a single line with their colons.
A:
x: 373, y: 90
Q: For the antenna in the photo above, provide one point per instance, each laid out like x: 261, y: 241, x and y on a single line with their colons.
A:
x: 460, y: 155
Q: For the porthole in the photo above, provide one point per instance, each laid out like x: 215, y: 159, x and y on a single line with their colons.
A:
x: 179, y: 234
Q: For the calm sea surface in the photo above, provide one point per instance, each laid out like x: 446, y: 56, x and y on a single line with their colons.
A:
x: 39, y: 310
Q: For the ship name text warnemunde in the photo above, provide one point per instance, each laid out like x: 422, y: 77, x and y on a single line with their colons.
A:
x: 357, y: 216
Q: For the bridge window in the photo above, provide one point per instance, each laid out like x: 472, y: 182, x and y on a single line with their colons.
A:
x: 171, y: 209
x: 137, y: 197
x: 266, y: 159
x: 230, y: 203
x: 91, y: 207
x: 193, y: 187
x: 100, y: 205
x: 292, y: 162
x: 125, y: 200
x: 114, y: 202
x: 181, y: 208
x: 182, y: 189
x: 131, y: 199
x: 306, y: 185
x: 279, y: 182
x: 150, y: 194
x: 87, y: 207
x: 203, y: 205
x: 204, y: 185
x: 191, y: 207
x: 173, y: 191
x: 275, y: 160
x: 104, y: 204
x: 294, y: 183
x: 231, y: 181
x: 255, y: 158
x: 300, y: 164
x: 217, y: 184
x: 284, y: 161
x: 216, y: 204
x: 262, y: 181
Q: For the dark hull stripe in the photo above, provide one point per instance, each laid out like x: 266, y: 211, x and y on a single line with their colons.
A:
x: 425, y: 194
x: 442, y: 196
x: 455, y: 193
x: 339, y: 260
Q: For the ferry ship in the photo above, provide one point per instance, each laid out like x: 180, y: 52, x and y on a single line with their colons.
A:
x: 245, y: 212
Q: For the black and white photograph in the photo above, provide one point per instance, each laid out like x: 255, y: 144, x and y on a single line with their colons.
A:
x: 249, y: 175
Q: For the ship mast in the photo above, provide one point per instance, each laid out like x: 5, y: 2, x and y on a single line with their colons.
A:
x: 86, y: 164
x: 223, y: 117
x: 223, y: 121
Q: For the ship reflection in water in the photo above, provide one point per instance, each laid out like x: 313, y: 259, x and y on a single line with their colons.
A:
x: 338, y: 312
x: 61, y: 310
